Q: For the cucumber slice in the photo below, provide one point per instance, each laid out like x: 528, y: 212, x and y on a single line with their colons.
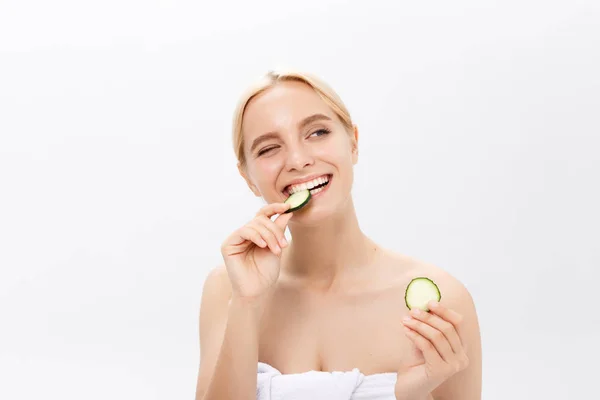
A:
x: 298, y: 200
x: 421, y: 291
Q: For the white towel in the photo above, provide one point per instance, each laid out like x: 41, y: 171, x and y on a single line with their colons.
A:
x: 321, y: 385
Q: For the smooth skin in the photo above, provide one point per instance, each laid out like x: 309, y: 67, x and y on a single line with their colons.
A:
x: 331, y: 291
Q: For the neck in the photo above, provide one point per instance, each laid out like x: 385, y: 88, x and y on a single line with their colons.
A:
x: 323, y: 253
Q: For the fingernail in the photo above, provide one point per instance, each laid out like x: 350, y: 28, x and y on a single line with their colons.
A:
x: 416, y: 311
x: 407, y: 319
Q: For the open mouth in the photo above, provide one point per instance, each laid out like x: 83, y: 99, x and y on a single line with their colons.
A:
x: 315, y: 186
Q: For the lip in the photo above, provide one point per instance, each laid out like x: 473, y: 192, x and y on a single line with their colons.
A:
x: 306, y: 179
x: 325, y: 189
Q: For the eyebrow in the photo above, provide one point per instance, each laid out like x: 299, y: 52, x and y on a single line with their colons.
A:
x: 273, y: 135
x: 313, y: 118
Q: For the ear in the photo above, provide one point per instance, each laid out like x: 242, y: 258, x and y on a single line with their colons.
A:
x: 244, y: 173
x: 355, y: 145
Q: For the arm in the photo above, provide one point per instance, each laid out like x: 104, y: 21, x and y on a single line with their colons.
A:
x: 466, y: 384
x: 449, y: 340
x: 228, y: 342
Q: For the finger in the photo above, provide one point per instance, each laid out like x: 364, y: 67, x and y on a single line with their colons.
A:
x: 283, y: 219
x: 433, y: 335
x: 247, y: 233
x: 267, y: 235
x: 273, y: 208
x: 447, y: 314
x: 429, y: 351
x: 441, y: 325
x: 275, y: 229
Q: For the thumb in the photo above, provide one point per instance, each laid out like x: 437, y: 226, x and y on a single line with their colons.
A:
x: 283, y: 219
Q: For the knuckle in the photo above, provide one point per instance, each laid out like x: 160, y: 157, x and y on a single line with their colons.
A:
x: 464, y: 361
x: 457, y: 367
x: 447, y: 329
x: 257, y: 225
x: 269, y: 222
x: 459, y: 319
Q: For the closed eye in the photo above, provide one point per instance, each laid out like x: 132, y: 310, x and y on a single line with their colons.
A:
x: 266, y: 150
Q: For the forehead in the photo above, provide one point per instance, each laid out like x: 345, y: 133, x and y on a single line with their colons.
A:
x: 281, y: 107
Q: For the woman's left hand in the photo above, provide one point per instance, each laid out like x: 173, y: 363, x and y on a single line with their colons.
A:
x: 437, y: 335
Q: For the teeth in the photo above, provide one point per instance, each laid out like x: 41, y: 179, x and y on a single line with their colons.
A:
x: 307, y: 185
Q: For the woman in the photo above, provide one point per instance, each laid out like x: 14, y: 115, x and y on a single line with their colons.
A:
x: 329, y: 303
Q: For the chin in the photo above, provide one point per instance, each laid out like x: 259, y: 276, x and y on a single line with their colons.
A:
x: 316, y: 214
x: 311, y: 217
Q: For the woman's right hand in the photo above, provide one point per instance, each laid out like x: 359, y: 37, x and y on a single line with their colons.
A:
x: 252, y: 252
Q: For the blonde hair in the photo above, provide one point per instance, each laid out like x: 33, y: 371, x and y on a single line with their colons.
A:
x: 272, y: 78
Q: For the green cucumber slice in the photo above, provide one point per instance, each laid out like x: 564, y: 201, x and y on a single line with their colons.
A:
x: 421, y: 291
x: 298, y: 200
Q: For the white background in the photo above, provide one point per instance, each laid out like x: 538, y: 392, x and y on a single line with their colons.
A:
x: 479, y: 152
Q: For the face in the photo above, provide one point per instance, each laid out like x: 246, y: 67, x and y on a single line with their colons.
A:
x: 291, y: 138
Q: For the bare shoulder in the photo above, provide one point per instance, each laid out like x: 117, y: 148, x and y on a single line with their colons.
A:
x: 458, y: 306
x: 216, y: 293
x: 217, y: 283
x: 455, y: 294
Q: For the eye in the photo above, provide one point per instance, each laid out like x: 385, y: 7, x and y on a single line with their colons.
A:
x: 265, y: 150
x: 321, y: 132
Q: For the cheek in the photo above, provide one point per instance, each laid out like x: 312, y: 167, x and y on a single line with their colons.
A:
x: 266, y: 171
x: 337, y: 152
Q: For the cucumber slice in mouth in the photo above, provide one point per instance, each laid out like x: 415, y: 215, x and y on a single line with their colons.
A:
x: 298, y: 200
x: 421, y: 291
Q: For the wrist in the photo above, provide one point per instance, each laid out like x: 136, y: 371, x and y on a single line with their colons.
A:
x: 250, y: 306
x: 248, y: 302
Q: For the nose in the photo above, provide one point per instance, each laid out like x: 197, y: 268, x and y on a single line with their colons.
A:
x: 298, y: 157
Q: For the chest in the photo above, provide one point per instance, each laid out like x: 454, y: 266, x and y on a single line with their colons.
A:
x: 301, y: 333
